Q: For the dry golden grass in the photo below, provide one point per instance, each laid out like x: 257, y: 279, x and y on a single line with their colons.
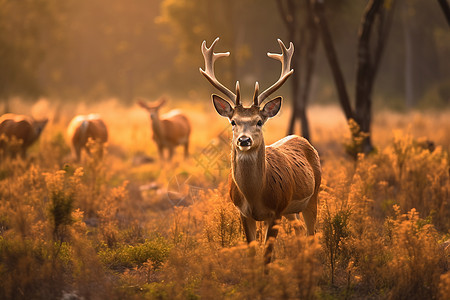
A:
x: 118, y: 229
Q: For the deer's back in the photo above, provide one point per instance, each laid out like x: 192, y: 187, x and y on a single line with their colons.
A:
x: 176, y: 127
x: 19, y: 126
x: 81, y: 128
x: 97, y: 130
x: 293, y: 171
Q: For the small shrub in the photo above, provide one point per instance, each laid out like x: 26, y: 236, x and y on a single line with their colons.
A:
x: 357, y: 138
x: 29, y: 270
x: 335, y: 229
x: 417, y: 259
x: 223, y: 226
x: 130, y: 256
x: 61, y: 189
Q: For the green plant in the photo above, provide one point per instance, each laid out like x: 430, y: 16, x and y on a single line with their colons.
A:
x: 129, y: 256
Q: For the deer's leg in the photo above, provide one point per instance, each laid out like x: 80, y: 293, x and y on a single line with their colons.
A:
x: 249, y: 225
x: 87, y: 148
x: 293, y: 218
x: 310, y: 214
x: 101, y: 150
x: 23, y: 152
x: 77, y: 151
x: 170, y: 153
x: 161, y: 152
x: 186, y: 150
x: 271, y: 235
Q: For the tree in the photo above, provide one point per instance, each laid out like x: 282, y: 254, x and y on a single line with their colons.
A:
x: 445, y: 9
x: 26, y: 29
x: 378, y: 14
x: 193, y: 21
x: 304, y: 37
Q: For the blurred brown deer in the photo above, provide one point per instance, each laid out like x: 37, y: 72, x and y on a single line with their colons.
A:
x: 169, y: 130
x: 23, y: 128
x: 85, y: 127
x: 266, y: 183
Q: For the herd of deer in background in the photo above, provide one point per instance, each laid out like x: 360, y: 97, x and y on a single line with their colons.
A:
x: 19, y: 132
x: 266, y: 182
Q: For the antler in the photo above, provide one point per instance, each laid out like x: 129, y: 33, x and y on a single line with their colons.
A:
x: 210, y: 57
x: 285, y: 59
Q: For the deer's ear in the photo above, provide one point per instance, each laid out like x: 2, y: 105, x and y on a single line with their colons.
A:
x: 272, y: 107
x: 142, y: 103
x: 222, y: 106
x: 161, y: 102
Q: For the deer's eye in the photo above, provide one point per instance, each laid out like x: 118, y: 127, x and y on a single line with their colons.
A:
x: 233, y: 123
x: 260, y: 123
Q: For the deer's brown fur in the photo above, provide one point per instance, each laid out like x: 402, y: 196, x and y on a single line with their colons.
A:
x: 85, y: 127
x: 266, y: 183
x: 169, y: 130
x: 20, y: 127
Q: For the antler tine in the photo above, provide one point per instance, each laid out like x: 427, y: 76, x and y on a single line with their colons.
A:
x: 255, y: 95
x: 286, y: 71
x: 210, y: 58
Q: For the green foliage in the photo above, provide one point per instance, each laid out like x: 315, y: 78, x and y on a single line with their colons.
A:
x: 131, y: 256
x: 61, y: 207
x: 27, y: 31
x: 61, y: 188
x: 19, y: 261
x: 77, y: 49
x: 335, y: 230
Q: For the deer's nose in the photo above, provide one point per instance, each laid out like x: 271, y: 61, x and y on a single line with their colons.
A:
x: 244, y: 141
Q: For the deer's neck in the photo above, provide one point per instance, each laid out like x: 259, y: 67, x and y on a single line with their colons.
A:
x: 249, y: 171
x: 156, y: 127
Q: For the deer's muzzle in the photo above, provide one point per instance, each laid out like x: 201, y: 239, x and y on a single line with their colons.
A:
x: 244, y: 141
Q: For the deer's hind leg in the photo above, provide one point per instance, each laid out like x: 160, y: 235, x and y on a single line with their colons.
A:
x: 310, y: 214
x: 186, y: 150
x: 249, y: 225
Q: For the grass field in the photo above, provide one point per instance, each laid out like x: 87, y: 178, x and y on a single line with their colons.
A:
x: 118, y: 228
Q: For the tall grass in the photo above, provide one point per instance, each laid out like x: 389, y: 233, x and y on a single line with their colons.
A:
x: 107, y: 228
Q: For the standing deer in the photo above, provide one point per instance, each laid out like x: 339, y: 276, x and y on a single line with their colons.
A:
x: 266, y: 182
x: 85, y: 127
x: 169, y: 130
x: 22, y: 128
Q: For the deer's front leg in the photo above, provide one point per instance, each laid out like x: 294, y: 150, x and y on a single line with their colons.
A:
x: 271, y: 235
x: 249, y: 225
x: 161, y: 152
x: 170, y: 152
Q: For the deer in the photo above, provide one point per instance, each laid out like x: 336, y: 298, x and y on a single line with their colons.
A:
x: 169, y: 130
x: 84, y: 127
x: 23, y: 128
x: 266, y: 182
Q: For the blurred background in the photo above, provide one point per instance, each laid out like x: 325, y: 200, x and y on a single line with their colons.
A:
x: 92, y: 50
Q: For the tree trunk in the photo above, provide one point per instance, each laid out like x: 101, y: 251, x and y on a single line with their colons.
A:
x: 364, y: 74
x: 445, y: 9
x: 310, y: 57
x: 368, y: 64
x: 288, y: 12
x: 409, y: 61
x: 330, y: 52
x: 304, y: 39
